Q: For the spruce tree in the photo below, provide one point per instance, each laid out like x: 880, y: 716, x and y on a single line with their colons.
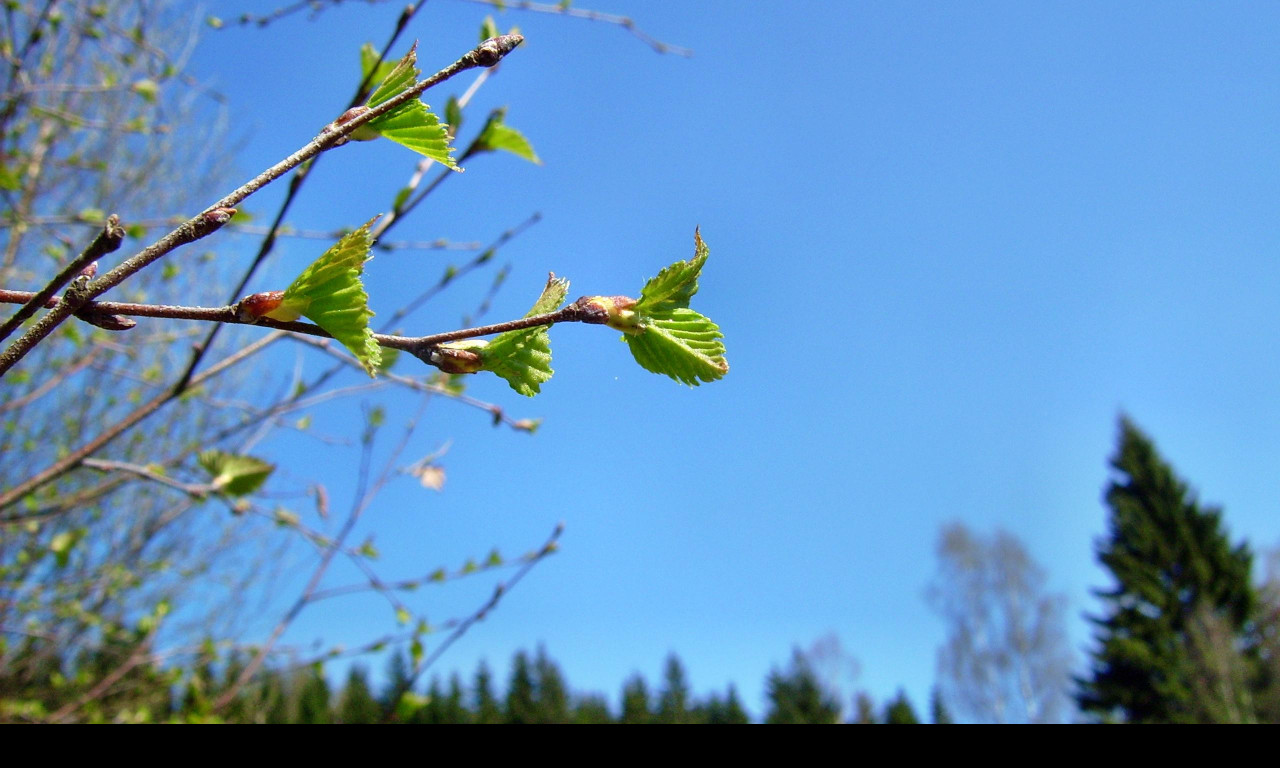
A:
x: 552, y: 692
x: 734, y: 713
x: 591, y: 709
x: 635, y: 701
x: 900, y: 712
x: 673, y: 700
x: 938, y: 709
x: 522, y: 705
x: 357, y: 704
x: 485, y: 704
x: 399, y: 681
x: 722, y: 711
x: 313, y: 699
x: 798, y: 696
x: 1171, y: 561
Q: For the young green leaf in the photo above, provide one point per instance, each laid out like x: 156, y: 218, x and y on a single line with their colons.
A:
x: 680, y: 343
x: 369, y: 59
x: 498, y: 136
x: 523, y: 357
x: 676, y: 284
x: 233, y: 474
x: 411, y: 124
x: 330, y: 294
x: 668, y: 337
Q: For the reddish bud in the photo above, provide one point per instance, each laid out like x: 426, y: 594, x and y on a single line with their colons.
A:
x: 256, y: 306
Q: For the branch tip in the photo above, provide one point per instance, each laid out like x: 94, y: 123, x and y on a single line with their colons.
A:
x: 491, y: 51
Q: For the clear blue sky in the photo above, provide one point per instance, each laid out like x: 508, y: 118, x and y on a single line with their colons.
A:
x: 950, y: 243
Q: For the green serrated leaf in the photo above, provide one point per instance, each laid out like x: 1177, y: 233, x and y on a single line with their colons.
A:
x: 410, y: 125
x: 371, y: 59
x: 233, y: 474
x: 330, y: 294
x: 676, y: 284
x: 679, y: 343
x: 668, y: 337
x: 497, y: 136
x: 389, y: 358
x: 523, y: 358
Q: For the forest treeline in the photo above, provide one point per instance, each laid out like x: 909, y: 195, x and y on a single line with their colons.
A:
x: 1185, y: 635
x: 534, y: 692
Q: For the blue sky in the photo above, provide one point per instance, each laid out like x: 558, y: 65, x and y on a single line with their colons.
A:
x: 950, y: 243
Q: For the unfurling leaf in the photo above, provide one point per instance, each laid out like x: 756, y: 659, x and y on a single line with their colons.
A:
x: 669, y: 338
x: 498, y: 136
x: 370, y: 60
x: 233, y: 474
x: 523, y: 357
x: 330, y: 294
x: 411, y: 124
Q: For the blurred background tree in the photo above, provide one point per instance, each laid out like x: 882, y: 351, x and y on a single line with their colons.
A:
x: 1006, y: 658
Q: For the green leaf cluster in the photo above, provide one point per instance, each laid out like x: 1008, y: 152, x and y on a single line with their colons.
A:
x: 411, y: 124
x: 667, y: 337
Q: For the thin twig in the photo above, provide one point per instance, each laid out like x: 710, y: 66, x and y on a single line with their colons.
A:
x: 486, y: 54
x: 195, y: 490
x: 405, y: 685
x: 108, y: 240
x: 77, y: 457
x: 419, y: 346
x: 564, y: 9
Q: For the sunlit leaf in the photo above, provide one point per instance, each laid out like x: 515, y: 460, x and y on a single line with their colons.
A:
x: 330, y: 294
x: 680, y: 343
x: 233, y: 474
x: 523, y: 357
x: 497, y: 136
x: 667, y: 336
x: 411, y: 124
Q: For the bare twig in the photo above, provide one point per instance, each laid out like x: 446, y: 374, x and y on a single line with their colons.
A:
x: 564, y: 9
x: 77, y: 457
x: 107, y: 241
x: 404, y: 686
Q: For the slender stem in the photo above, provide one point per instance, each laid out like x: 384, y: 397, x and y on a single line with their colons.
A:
x: 576, y: 312
x: 108, y: 240
x: 564, y: 9
x: 551, y: 546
